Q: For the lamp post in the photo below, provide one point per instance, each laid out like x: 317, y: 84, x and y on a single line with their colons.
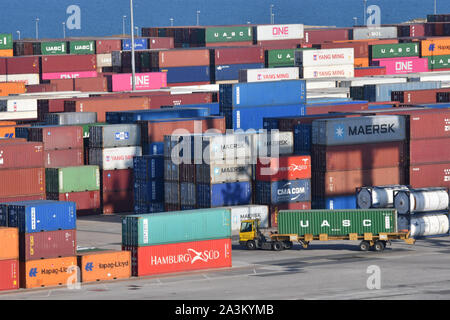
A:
x: 171, y: 22
x: 123, y: 24
x: 435, y: 7
x: 355, y: 21
x: 133, y: 63
x: 64, y: 29
x: 18, y: 34
x: 271, y: 14
x: 136, y: 29
x: 365, y: 12
x: 37, y: 28
x: 198, y: 17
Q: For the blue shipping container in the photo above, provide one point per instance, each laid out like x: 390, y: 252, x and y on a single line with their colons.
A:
x: 270, y: 123
x: 302, y: 138
x: 139, y: 44
x: 136, y: 115
x: 231, y: 71
x: 147, y: 168
x: 143, y: 208
x: 214, y: 109
x: 187, y: 74
x: 285, y: 191
x: 224, y: 194
x: 382, y: 92
x: 335, y: 203
x: 154, y: 148
x: 149, y: 191
x: 436, y: 105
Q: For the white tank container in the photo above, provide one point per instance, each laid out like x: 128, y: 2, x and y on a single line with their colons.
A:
x: 429, y: 225
x: 421, y: 200
x: 377, y: 197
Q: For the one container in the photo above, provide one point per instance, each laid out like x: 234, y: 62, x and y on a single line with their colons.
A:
x: 283, y: 168
x: 69, y: 75
x: 403, y: 65
x: 104, y: 265
x: 72, y: 179
x: 47, y: 245
x: 284, y: 191
x: 143, y: 81
x: 224, y: 194
x: 421, y: 200
x: 114, y: 135
x: 279, y: 32
x: 9, y: 277
x: 9, y: 238
x: 114, y: 158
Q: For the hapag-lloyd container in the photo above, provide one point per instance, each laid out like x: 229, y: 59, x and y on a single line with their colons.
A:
x: 279, y: 32
x: 435, y: 47
x: 221, y: 173
x: 21, y: 155
x: 269, y: 74
x: 224, y: 194
x: 342, y: 131
x: 114, y: 135
x: 22, y: 182
x: 374, y: 33
x: 143, y: 81
x: 9, y: 275
x: 395, y: 50
x: 283, y: 191
x: 179, y: 257
x: 48, y: 244
x: 72, y: 179
x: 63, y: 158
x: 57, y: 137
x: 323, y: 72
x: 403, y: 65
x: 324, y: 57
x: 69, y: 75
x: 283, y: 168
x: 114, y: 158
x: 429, y: 150
x: 333, y: 222
x: 104, y: 265
x: 430, y: 175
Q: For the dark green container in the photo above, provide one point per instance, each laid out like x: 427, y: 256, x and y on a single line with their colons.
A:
x: 337, y: 222
x: 82, y: 47
x: 439, y: 62
x: 228, y: 34
x: 6, y: 41
x: 52, y: 48
x: 72, y: 179
x: 395, y: 50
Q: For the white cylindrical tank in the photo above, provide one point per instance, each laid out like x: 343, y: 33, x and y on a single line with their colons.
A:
x: 377, y: 197
x: 421, y: 200
x: 429, y: 225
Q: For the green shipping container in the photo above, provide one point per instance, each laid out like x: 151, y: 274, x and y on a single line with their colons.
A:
x: 395, y: 50
x: 228, y: 34
x: 6, y: 41
x: 82, y: 47
x: 337, y: 222
x: 177, y: 226
x: 439, y: 62
x: 86, y: 127
x: 51, y: 48
x: 72, y: 179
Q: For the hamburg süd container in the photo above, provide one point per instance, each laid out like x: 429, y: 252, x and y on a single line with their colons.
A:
x: 9, y: 275
x: 9, y: 238
x: 283, y: 191
x: 114, y: 135
x: 421, y: 200
x: 104, y: 265
x: 114, y: 158
x: 283, y: 168
x: 47, y: 245
x: 224, y: 194
x: 72, y: 179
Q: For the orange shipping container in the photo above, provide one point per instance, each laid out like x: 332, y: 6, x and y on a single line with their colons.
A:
x: 7, y: 88
x: 104, y: 265
x: 7, y: 123
x: 361, y: 62
x: 48, y: 272
x: 183, y: 58
x: 9, y: 243
x: 6, y: 53
x: 435, y: 47
x: 7, y: 132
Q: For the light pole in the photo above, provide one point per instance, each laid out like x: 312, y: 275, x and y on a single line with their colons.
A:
x: 198, y: 17
x: 171, y: 22
x: 271, y: 13
x: 133, y: 63
x: 356, y: 21
x: 64, y: 29
x: 37, y: 28
x: 123, y: 24
x: 273, y: 18
x: 435, y: 7
x: 137, y: 31
x: 18, y: 33
x: 365, y: 12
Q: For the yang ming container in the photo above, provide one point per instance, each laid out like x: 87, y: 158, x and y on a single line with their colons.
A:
x: 72, y: 179
x: 224, y: 194
x: 176, y: 227
x: 114, y: 158
x: 114, y: 135
x: 46, y: 245
x: 268, y: 74
x: 283, y: 191
x: 325, y: 57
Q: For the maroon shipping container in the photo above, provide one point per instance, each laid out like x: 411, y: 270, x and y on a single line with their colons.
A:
x: 186, y: 84
x: 63, y: 84
x: 417, y: 30
x: 274, y: 209
x: 430, y: 175
x: 230, y: 44
x: 116, y: 180
x: 340, y: 183
x: 99, y: 84
x: 58, y: 137
x: 22, y: 182
x: 288, y: 124
x: 87, y: 202
x: 49, y: 106
x: 358, y: 156
x: 9, y: 275
x: 238, y: 55
x: 47, y: 245
x: 370, y: 71
x: 63, y: 158
x: 69, y: 63
x: 280, y: 44
x: 417, y: 96
x: 311, y: 109
x: 178, y: 99
x: 160, y: 43
x: 2, y: 66
x: 22, y: 65
x: 24, y: 198
x: 117, y: 202
x: 361, y: 49
x: 45, y: 87
x: 21, y: 155
x: 430, y: 124
x: 429, y: 150
x: 108, y: 45
x: 318, y: 36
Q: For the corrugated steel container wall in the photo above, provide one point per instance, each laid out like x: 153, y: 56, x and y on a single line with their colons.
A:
x: 239, y: 213
x: 114, y: 158
x: 221, y: 173
x: 155, y: 259
x: 187, y: 74
x: 171, y: 192
x: 108, y: 46
x: 45, y: 215
x: 41, y: 196
x: 9, y: 238
x: 275, y: 209
x: 9, y: 275
x: 429, y: 151
x: 104, y: 265
x: 325, y: 72
x: 117, y: 201
x: 181, y: 58
x: 3, y: 66
x: 224, y: 194
x: 324, y: 57
x: 69, y: 63
x: 430, y: 124
x: 116, y: 180
x: 430, y: 175
x: 231, y: 71
x: 70, y: 118
x: 361, y: 49
x: 374, y: 33
x: 214, y: 109
x: 269, y: 74
x: 47, y: 272
x: 273, y: 143
x: 178, y: 99
x: 335, y: 222
x: 283, y: 168
x: 160, y: 43
x: 315, y: 109
x: 64, y: 137
x: 21, y: 155
x: 22, y: 182
x: 72, y: 179
x: 148, y: 167
x: 395, y: 50
x: 139, y: 44
x: 382, y: 92
x: 228, y: 34
x: 133, y: 116
x: 22, y: 65
x: 97, y: 84
x: 224, y: 56
x: 63, y: 158
x: 87, y: 202
x: 47, y: 245
x: 283, y: 191
x: 318, y: 36
x: 176, y: 227
x: 118, y: 135
x: 149, y: 191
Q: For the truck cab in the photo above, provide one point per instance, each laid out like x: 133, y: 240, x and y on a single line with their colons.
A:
x: 251, y: 237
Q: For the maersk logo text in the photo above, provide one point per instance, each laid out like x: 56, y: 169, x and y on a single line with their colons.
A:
x: 371, y: 129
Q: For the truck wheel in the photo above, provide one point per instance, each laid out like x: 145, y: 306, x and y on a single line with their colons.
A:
x: 251, y: 245
x: 288, y: 245
x: 379, y: 246
x: 277, y: 246
x: 364, y: 246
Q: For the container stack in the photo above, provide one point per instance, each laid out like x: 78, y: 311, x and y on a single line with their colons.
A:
x: 400, y: 58
x: 9, y: 258
x: 47, y: 240
x: 172, y: 242
x: 326, y: 63
x: 112, y: 148
x: 348, y: 153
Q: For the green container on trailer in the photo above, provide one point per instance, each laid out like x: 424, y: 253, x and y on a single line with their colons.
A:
x: 72, y: 179
x: 52, y: 48
x: 82, y: 47
x: 439, y: 62
x: 175, y: 227
x: 399, y: 50
x: 337, y: 222
x: 228, y: 34
x: 6, y: 41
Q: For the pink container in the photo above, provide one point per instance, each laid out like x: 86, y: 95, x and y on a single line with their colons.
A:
x: 403, y: 65
x: 69, y: 75
x: 144, y: 81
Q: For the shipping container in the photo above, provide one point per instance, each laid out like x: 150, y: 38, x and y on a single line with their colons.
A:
x: 147, y: 168
x: 104, y: 60
x: 9, y: 238
x: 69, y: 75
x: 377, y: 196
x: 187, y: 74
x: 114, y: 158
x: 231, y: 71
x: 228, y: 34
x: 47, y: 272
x: 237, y: 55
x: 156, y: 101
x: 21, y: 155
x: 9, y: 275
x: 149, y: 191
x: 438, y: 62
x: 139, y: 44
x: 324, y: 72
x: 280, y: 58
x: 361, y: 49
x: 374, y: 33
x: 180, y: 58
x: 403, y: 65
x: 72, y: 179
x: 82, y: 47
x: 117, y: 201
x: 21, y: 182
x: 271, y: 143
x: 382, y: 92
x: 57, y: 137
x: 18, y: 105
x: 269, y: 74
x: 283, y: 168
x: 279, y: 32
x: 283, y: 191
x: 430, y: 175
x: 97, y: 84
x: 87, y: 202
x: 335, y: 203
x: 7, y: 88
x: 224, y: 194
x: 63, y: 158
x: 6, y: 41
x: 70, y: 118
x: 429, y: 151
x: 104, y: 265
x: 223, y: 173
x: 47, y: 245
x: 54, y: 48
x: 114, y: 135
x: 143, y: 81
x: 160, y: 43
x: 414, y: 201
x: 6, y: 53
x: 325, y: 57
x: 116, y: 180
x: 435, y: 47
x: 22, y: 65
x: 395, y: 50
x: 108, y: 45
x: 167, y: 113
x: 69, y: 63
x: 275, y: 209
x: 318, y: 36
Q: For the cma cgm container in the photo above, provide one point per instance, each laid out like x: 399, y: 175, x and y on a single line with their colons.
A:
x: 337, y: 222
x: 224, y: 194
x: 46, y: 245
x: 72, y: 179
x: 283, y: 191
x: 176, y: 227
x: 104, y: 265
x: 9, y: 275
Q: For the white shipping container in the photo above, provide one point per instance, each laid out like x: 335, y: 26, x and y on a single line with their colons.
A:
x: 19, y: 105
x: 264, y: 143
x: 240, y: 213
x: 325, y: 57
x: 18, y: 115
x: 320, y: 84
x: 344, y: 71
x: 28, y: 79
x: 114, y: 158
x: 280, y: 32
x: 3, y: 78
x: 269, y: 74
x: 374, y: 33
x: 359, y: 82
x: 104, y: 60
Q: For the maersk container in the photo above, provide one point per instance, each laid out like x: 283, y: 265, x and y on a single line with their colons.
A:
x: 231, y: 71
x: 224, y: 194
x: 72, y: 179
x: 139, y: 44
x: 324, y: 57
x: 70, y: 118
x: 337, y: 222
x: 149, y: 191
x: 335, y: 203
x: 240, y: 213
x: 187, y: 74
x: 176, y: 227
x: 395, y: 50
x: 218, y: 147
x: 42, y: 215
x: 147, y: 168
x: 114, y: 135
x: 377, y: 196
x: 287, y: 92
x: 221, y: 173
x: 285, y: 191
x: 374, y: 33
x: 421, y: 200
x: 114, y: 158
x: 382, y: 92
x: 371, y: 129
x: 273, y: 143
x: 136, y: 115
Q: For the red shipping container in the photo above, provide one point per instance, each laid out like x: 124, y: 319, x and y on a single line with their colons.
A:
x: 182, y: 58
x: 116, y: 180
x: 63, y: 158
x: 418, y: 96
x: 180, y: 257
x: 22, y: 182
x: 370, y: 71
x: 117, y: 202
x: 230, y: 44
x: 358, y: 156
x: 99, y: 84
x: 108, y: 45
x: 281, y: 44
x: 63, y: 84
x: 274, y: 209
x: 430, y: 175
x: 179, y: 99
x: 429, y: 150
x: 69, y: 63
x: 238, y: 55
x: 48, y: 106
x: 22, y: 65
x: 58, y: 137
x: 87, y: 202
x: 430, y: 124
x: 45, y: 87
x: 21, y: 155
x: 47, y: 245
x: 160, y: 43
x: 312, y: 109
x: 361, y: 49
x: 2, y: 66
x: 318, y: 36
x: 417, y: 30
x: 9, y: 275
x: 24, y: 198
x: 284, y: 168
